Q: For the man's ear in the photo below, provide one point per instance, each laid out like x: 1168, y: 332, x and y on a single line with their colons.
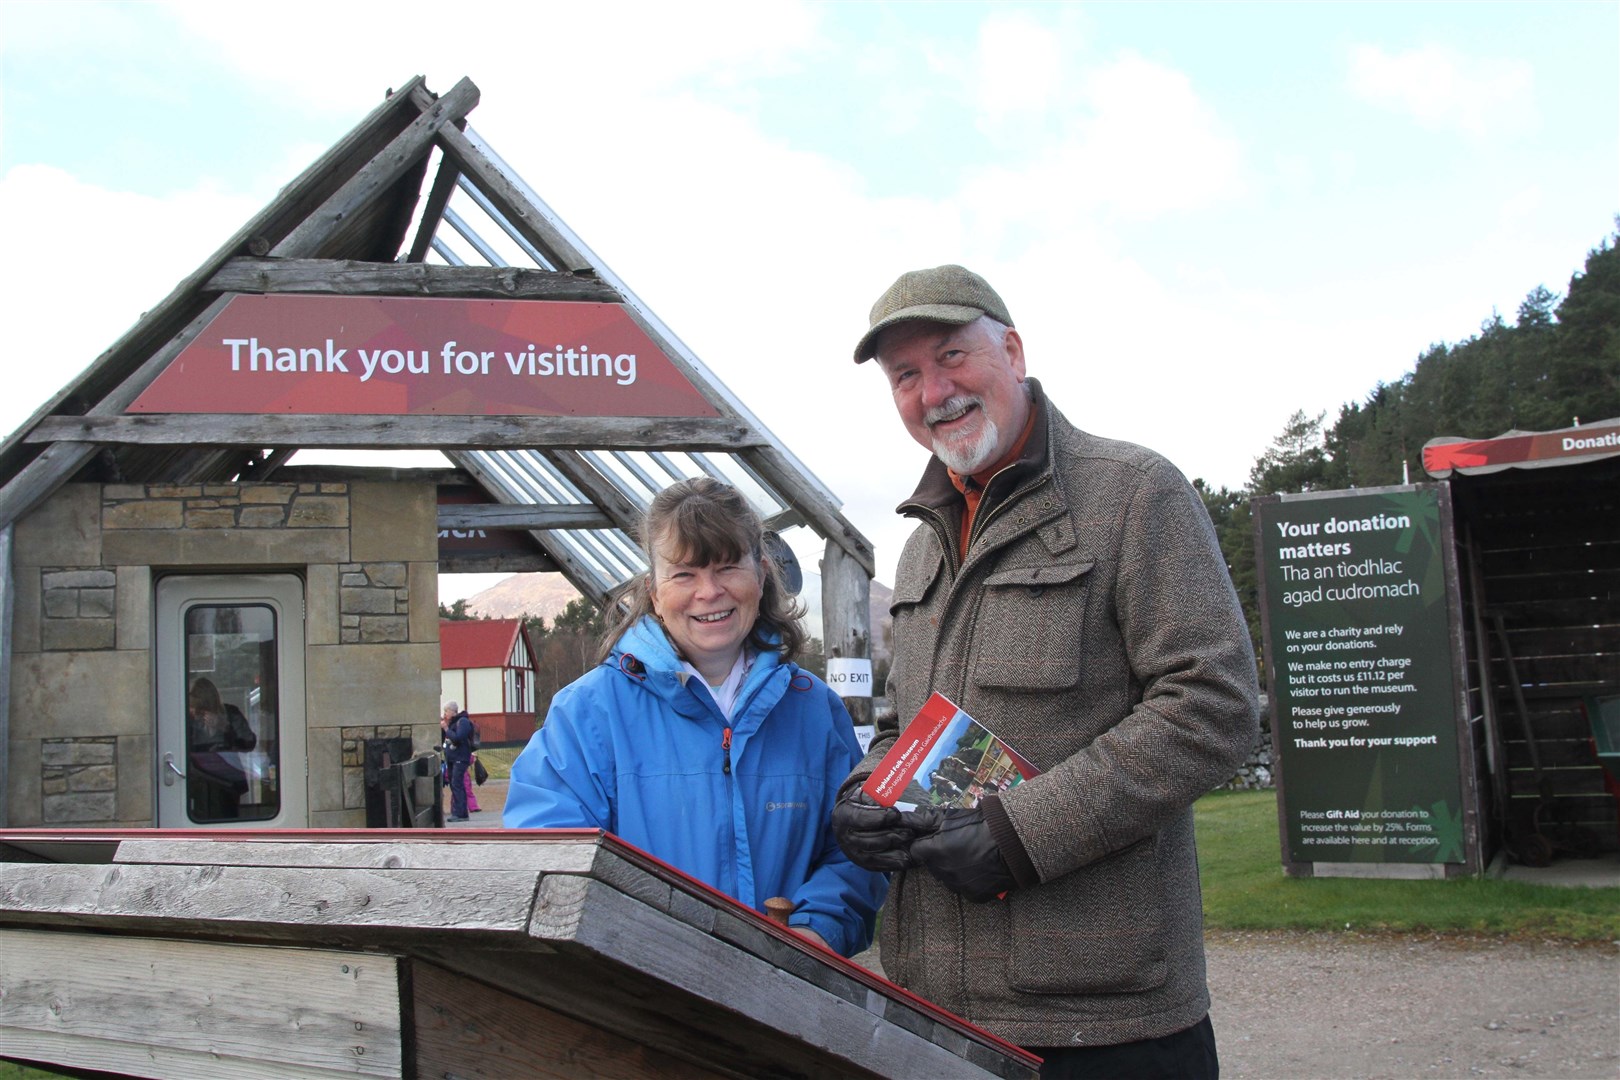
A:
x: 1015, y: 352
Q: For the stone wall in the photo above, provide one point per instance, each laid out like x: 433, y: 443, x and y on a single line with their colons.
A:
x: 85, y: 565
x: 1256, y: 771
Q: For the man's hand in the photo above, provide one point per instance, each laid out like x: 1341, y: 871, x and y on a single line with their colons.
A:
x: 957, y: 848
x: 874, y: 837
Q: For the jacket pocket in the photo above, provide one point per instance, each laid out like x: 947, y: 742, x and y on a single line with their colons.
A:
x: 1097, y: 930
x: 1029, y: 627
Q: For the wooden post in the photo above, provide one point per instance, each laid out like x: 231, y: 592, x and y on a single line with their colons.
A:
x: 846, y: 622
x: 7, y: 601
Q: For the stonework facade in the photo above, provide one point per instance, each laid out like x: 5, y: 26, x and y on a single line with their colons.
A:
x: 85, y: 566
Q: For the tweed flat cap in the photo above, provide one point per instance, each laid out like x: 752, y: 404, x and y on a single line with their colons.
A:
x: 946, y: 294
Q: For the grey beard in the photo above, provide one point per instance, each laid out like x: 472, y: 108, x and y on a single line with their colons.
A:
x: 965, y: 460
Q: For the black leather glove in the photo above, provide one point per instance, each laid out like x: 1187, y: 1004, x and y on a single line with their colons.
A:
x: 957, y: 848
x: 873, y: 836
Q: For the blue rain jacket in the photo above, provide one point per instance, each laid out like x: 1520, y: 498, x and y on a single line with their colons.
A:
x: 637, y: 747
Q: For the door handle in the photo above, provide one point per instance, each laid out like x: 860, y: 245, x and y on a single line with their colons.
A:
x: 170, y: 771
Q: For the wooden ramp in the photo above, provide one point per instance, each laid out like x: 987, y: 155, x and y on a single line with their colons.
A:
x: 390, y: 954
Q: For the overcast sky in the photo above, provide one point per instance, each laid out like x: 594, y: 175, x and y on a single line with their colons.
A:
x: 1202, y: 216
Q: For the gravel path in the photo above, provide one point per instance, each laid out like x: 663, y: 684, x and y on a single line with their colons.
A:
x: 1329, y: 1006
x: 1294, y: 1006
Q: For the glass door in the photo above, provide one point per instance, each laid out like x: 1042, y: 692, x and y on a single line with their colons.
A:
x: 230, y: 710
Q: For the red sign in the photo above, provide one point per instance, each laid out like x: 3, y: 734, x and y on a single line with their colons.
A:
x: 1538, y: 447
x: 411, y: 356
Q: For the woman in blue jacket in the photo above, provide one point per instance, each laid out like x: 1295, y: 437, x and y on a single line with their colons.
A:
x: 696, y: 737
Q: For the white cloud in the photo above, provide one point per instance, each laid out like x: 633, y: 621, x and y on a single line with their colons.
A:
x: 1442, y: 89
x: 72, y: 316
x: 1020, y: 69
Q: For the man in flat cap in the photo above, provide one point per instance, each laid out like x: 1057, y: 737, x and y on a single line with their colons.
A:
x: 1067, y: 591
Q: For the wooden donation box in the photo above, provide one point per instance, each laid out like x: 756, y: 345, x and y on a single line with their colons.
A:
x: 392, y: 954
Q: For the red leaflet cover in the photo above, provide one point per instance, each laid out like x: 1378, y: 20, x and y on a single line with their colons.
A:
x: 945, y: 758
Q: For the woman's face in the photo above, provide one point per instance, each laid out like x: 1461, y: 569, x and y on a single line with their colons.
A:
x: 707, y: 610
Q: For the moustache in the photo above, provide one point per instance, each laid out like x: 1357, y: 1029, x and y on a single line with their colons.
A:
x: 951, y: 408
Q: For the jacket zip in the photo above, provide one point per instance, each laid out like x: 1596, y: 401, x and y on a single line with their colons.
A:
x: 725, y: 748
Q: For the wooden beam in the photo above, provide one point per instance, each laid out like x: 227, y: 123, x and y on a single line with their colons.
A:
x: 350, y: 278
x: 581, y: 575
x: 150, y: 1007
x: 8, y: 601
x: 846, y: 606
x: 376, y: 177
x: 537, y: 562
x: 517, y: 516
x: 603, y: 494
x: 823, y: 516
x: 399, y: 432
x: 511, y: 201
x: 444, y: 185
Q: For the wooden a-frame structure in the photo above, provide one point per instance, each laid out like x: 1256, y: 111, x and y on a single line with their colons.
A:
x: 412, y: 203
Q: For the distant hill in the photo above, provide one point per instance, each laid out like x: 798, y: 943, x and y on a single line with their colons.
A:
x: 547, y: 594
x: 524, y: 594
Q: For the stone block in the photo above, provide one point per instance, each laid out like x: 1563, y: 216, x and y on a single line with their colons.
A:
x: 390, y: 574
x: 64, y: 530
x: 78, y: 752
x: 111, y: 493
x: 423, y: 582
x: 394, y: 522
x: 175, y: 491
x: 318, y: 512
x: 93, y: 778
x: 79, y: 695
x: 136, y: 804
x: 261, y: 517
x: 354, y: 788
x: 382, y: 628
x: 61, y: 603
x: 325, y: 769
x: 235, y: 547
x: 134, y: 618
x: 147, y: 514
x: 320, y: 604
x: 53, y: 781
x: 77, y: 635
x: 97, y: 603
x: 354, y: 580
x: 373, y: 684
x: 339, y: 819
x: 366, y: 601
x: 23, y: 800
x: 222, y: 518
x: 80, y: 808
x: 221, y: 490
x: 92, y: 578
x: 279, y: 494
x: 25, y: 610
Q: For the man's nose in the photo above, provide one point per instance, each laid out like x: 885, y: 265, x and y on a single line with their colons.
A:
x: 938, y: 387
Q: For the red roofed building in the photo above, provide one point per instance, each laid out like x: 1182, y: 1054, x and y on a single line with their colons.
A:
x: 487, y: 666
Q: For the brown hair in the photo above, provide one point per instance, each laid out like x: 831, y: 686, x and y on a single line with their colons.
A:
x: 705, y: 522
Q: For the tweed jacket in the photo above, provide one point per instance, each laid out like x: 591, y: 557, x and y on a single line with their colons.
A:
x: 1092, y: 625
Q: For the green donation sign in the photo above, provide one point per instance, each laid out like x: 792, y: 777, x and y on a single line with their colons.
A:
x: 1360, y: 661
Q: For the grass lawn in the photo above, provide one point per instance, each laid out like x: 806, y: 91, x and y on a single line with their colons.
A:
x: 497, y: 759
x: 1240, y: 868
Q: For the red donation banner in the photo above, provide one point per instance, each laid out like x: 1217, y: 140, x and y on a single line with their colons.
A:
x: 1602, y: 439
x: 412, y: 357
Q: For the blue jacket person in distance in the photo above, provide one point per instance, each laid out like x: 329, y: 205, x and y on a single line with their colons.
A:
x: 696, y: 737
